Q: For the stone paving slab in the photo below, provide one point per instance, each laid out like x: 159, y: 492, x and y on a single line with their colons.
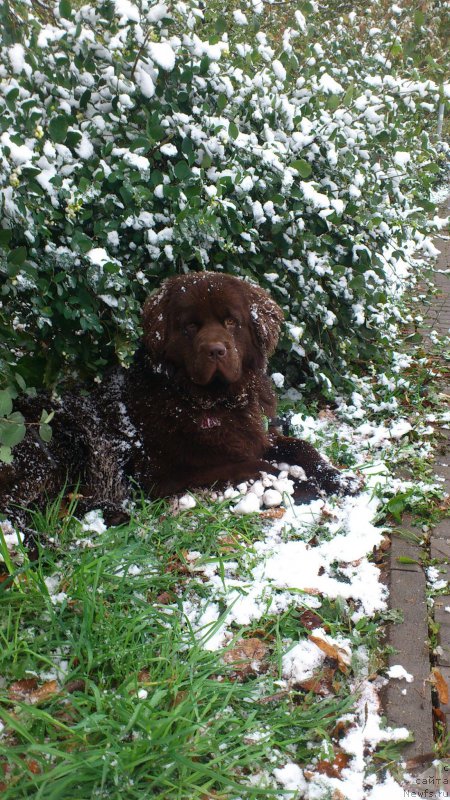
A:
x: 409, y: 704
x: 410, y: 638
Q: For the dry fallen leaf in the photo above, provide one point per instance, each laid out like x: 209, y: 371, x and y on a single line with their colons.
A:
x: 165, y: 598
x: 334, y: 768
x: 21, y: 689
x: 440, y: 684
x: 439, y: 716
x: 310, y: 620
x: 273, y: 513
x: 28, y: 691
x: 321, y: 684
x: 247, y: 657
x: 332, y: 651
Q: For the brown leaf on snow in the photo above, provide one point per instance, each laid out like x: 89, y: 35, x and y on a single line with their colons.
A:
x: 165, y: 598
x: 28, y: 691
x: 321, y: 684
x: 341, y: 728
x: 228, y: 543
x: 440, y: 684
x: 332, y: 651
x: 21, y: 689
x: 310, y: 620
x: 273, y: 513
x: 247, y: 657
x: 333, y: 768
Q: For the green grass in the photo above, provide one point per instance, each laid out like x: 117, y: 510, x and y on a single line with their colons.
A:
x: 115, y: 632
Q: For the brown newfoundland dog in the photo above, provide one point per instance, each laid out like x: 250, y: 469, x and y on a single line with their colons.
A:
x: 189, y: 413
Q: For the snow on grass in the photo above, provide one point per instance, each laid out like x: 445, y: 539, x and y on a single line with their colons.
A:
x: 298, y: 561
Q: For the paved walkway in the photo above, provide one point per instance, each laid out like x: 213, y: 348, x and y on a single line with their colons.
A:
x: 412, y: 704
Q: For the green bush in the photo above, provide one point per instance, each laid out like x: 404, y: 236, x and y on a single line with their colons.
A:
x: 139, y: 140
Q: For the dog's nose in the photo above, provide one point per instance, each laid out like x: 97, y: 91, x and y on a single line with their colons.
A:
x: 217, y: 350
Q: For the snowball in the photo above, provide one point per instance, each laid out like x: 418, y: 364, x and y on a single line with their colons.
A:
x: 248, y: 505
x: 85, y: 148
x: 401, y: 158
x: 278, y: 379
x: 127, y: 11
x: 239, y: 18
x: 399, y: 672
x: 145, y: 83
x: 279, y: 70
x: 93, y: 521
x: 284, y: 486
x: 157, y: 13
x: 16, y: 55
x: 297, y: 472
x: 186, y: 502
x: 272, y: 498
x: 291, y: 777
x: 162, y: 54
x: 311, y: 195
x: 257, y: 488
x: 19, y: 154
x: 302, y: 661
x: 301, y: 21
x: 329, y: 85
x: 168, y: 149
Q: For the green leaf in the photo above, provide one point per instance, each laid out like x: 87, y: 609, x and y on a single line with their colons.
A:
x: 396, y: 507
x: 181, y: 170
x: 419, y: 18
x: 11, y: 98
x: 58, y: 128
x: 65, y: 9
x: 233, y: 130
x: 46, y: 417
x: 303, y: 167
x: 5, y: 454
x: 17, y: 256
x: 5, y: 237
x: 45, y: 432
x: 156, y: 131
x: 82, y: 242
x: 348, y: 96
x: 406, y: 560
x: 334, y: 101
x: 5, y: 403
x: 11, y: 433
x: 220, y: 25
x: 222, y: 101
x: 433, y: 168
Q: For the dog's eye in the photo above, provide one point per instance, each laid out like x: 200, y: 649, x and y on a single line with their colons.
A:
x: 191, y: 329
x: 230, y: 322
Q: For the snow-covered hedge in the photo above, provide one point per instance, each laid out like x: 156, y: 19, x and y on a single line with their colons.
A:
x: 137, y: 140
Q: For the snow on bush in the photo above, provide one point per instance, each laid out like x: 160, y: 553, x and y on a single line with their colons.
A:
x: 137, y: 141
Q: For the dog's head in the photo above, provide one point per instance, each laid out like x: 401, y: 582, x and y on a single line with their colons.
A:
x: 210, y: 327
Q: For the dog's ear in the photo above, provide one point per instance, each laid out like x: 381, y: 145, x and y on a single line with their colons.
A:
x: 266, y: 318
x: 155, y: 320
